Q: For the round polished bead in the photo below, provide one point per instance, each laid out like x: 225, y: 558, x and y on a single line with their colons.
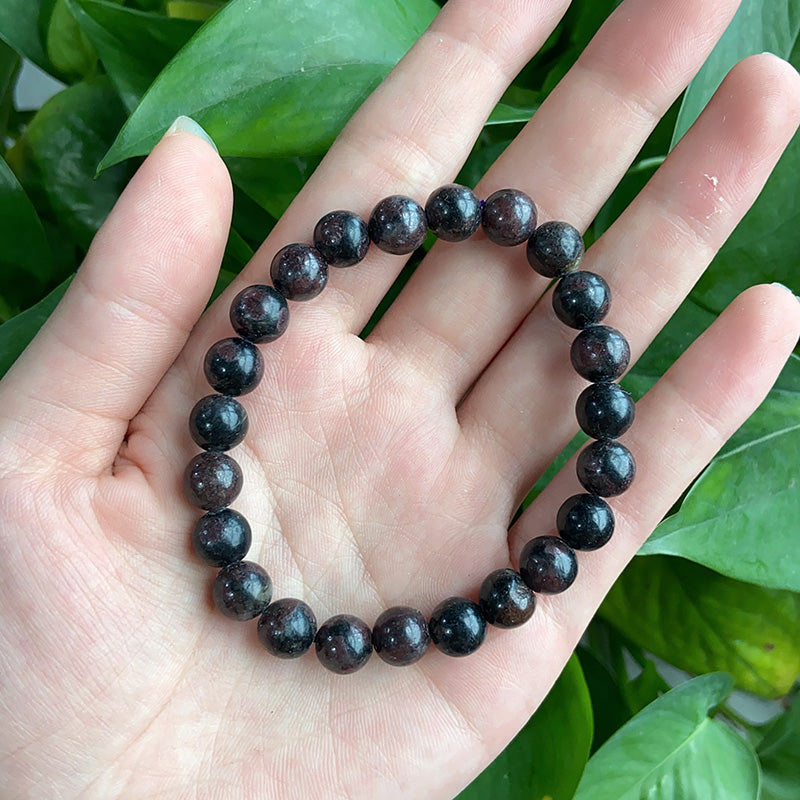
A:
x: 233, y: 366
x: 212, y: 481
x: 606, y: 468
x: 218, y: 422
x: 259, y: 313
x: 457, y: 626
x: 242, y: 590
x: 600, y: 353
x: 221, y: 537
x: 287, y: 628
x: 581, y: 298
x: 585, y: 521
x: 342, y: 237
x: 548, y: 565
x: 299, y: 272
x: 509, y: 217
x: 453, y: 212
x: 604, y: 410
x: 400, y: 636
x: 554, y: 249
x: 343, y: 644
x: 397, y: 225
x: 505, y: 599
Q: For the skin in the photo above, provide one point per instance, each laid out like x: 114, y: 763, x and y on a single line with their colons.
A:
x: 371, y: 477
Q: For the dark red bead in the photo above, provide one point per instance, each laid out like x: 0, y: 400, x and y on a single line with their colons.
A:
x: 585, y: 521
x: 604, y: 410
x: 581, y: 298
x: 342, y: 237
x: 509, y: 217
x: 221, y: 537
x: 453, y: 212
x: 299, y: 272
x: 343, y: 644
x: 233, y: 366
x: 505, y: 599
x: 400, y: 636
x: 242, y: 590
x: 259, y: 313
x: 548, y: 565
x: 212, y: 481
x: 287, y: 628
x: 457, y: 626
x: 398, y: 225
x: 600, y: 353
x: 606, y: 468
x: 218, y: 422
x: 554, y: 249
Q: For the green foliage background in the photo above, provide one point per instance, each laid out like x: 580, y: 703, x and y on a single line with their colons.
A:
x: 273, y: 81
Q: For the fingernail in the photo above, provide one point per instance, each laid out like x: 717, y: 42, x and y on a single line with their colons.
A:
x: 783, y: 286
x: 190, y: 126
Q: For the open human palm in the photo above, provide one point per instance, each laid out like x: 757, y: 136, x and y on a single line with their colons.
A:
x: 378, y: 472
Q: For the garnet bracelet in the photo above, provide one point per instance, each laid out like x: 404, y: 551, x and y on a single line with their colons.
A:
x: 242, y: 589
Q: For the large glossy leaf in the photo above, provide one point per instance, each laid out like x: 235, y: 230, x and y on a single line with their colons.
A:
x: 699, y: 621
x: 25, y: 263
x: 56, y: 157
x: 673, y: 750
x: 779, y: 754
x: 67, y: 46
x: 19, y: 27
x: 547, y: 757
x: 276, y: 77
x: 134, y: 46
x: 18, y: 331
x: 759, y: 26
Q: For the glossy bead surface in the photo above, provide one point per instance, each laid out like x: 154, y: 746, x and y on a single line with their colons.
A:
x: 259, y: 313
x: 606, y: 468
x: 548, y: 565
x: 604, y: 410
x: 453, y: 212
x: 233, y: 366
x: 509, y: 217
x: 505, y: 599
x: 398, y: 225
x: 457, y: 626
x: 400, y: 636
x: 343, y: 644
x: 287, y: 628
x: 600, y: 353
x: 581, y: 298
x: 299, y: 272
x: 554, y: 249
x: 585, y: 522
x: 212, y: 481
x: 242, y: 590
x: 221, y: 537
x: 342, y: 237
x: 218, y: 422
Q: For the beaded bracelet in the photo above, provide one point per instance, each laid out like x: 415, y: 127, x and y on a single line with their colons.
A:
x: 242, y: 589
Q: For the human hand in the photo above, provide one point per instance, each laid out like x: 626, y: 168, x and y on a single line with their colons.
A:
x: 377, y: 473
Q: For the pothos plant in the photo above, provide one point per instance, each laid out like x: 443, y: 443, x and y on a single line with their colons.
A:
x: 715, y: 592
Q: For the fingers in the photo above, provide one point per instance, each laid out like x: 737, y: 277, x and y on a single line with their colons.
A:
x: 650, y: 257
x: 410, y: 136
x: 127, y: 314
x: 569, y: 159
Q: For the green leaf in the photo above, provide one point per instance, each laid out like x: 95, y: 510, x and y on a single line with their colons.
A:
x: 192, y: 9
x: 134, y: 46
x: 699, y: 621
x: 547, y: 757
x: 9, y: 69
x: 673, y: 750
x: 19, y: 28
x: 67, y: 46
x: 254, y: 80
x: 25, y: 263
x: 59, y: 151
x: 758, y: 26
x: 779, y: 753
x: 18, y: 331
x: 507, y: 114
